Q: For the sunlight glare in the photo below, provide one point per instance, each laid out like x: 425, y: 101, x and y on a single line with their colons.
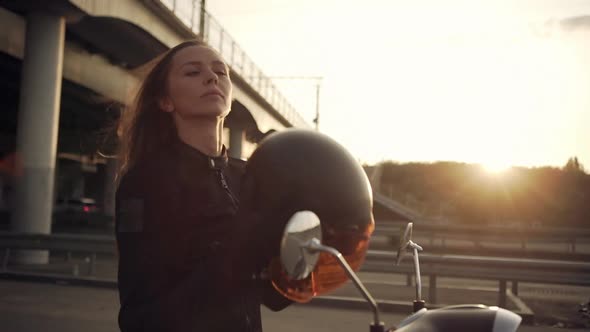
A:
x: 496, y: 167
x: 456, y: 80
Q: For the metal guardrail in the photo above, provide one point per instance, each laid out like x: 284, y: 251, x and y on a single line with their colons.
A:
x: 502, y: 269
x: 190, y: 14
x: 478, y: 233
x: 68, y: 243
x: 101, y: 244
x: 514, y: 270
x: 487, y: 229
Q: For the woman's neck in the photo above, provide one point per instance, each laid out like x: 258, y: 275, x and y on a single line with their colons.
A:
x: 203, y: 134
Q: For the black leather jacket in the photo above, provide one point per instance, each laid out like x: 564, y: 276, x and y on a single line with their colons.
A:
x: 176, y: 235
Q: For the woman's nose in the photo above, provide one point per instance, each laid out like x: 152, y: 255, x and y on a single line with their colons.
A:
x: 211, y: 78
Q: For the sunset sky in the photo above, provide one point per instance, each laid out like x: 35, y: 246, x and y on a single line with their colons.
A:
x: 494, y: 82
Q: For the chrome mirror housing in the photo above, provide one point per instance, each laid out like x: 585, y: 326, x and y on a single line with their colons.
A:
x: 296, y: 259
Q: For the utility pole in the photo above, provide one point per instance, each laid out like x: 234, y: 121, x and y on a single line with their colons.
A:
x: 317, y: 106
x: 202, y: 21
x: 318, y: 83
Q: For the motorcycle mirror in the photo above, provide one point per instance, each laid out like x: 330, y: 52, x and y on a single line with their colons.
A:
x: 296, y: 259
x: 300, y: 250
x: 404, y: 242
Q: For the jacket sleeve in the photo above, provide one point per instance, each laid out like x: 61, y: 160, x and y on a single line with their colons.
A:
x: 157, y: 290
x: 252, y: 253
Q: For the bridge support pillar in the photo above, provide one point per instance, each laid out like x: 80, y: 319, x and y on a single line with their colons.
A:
x: 38, y: 120
x: 236, y: 141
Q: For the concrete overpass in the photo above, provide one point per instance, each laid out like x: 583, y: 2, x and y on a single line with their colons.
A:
x: 384, y: 207
x: 68, y: 67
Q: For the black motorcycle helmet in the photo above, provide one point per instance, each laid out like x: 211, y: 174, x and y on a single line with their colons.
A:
x: 296, y: 170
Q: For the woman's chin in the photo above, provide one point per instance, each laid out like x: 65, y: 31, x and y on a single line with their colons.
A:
x: 208, y: 114
x: 218, y: 113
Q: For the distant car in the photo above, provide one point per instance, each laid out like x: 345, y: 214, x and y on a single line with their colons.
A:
x: 76, y: 211
x: 87, y: 205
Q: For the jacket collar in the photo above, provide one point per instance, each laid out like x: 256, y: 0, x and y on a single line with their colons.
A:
x: 187, y: 153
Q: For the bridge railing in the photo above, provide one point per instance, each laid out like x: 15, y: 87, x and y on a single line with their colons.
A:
x: 189, y: 13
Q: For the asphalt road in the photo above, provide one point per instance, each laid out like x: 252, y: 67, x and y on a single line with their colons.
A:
x: 28, y: 307
x: 33, y: 307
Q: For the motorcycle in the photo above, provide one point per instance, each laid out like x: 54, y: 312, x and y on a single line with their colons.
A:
x: 299, y: 255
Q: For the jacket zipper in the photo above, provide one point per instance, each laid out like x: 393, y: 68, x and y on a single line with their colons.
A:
x: 225, y: 186
x: 235, y: 202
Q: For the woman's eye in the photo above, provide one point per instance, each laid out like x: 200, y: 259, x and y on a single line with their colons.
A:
x: 222, y: 73
x: 193, y: 73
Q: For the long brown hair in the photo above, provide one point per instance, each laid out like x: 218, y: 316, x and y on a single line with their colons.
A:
x: 143, y: 128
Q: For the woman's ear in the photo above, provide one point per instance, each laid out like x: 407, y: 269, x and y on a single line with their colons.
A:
x: 166, y: 105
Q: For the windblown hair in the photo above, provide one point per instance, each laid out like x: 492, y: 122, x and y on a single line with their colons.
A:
x: 143, y: 127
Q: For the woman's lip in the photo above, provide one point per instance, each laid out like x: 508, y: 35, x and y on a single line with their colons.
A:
x: 212, y: 94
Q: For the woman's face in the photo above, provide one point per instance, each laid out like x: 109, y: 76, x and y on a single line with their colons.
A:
x: 198, y: 84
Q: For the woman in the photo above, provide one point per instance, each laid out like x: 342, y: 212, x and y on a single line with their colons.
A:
x: 176, y: 203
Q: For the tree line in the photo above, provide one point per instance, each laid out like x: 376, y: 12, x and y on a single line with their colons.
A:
x: 467, y: 193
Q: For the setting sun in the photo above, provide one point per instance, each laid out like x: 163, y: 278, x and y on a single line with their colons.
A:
x: 495, y: 167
